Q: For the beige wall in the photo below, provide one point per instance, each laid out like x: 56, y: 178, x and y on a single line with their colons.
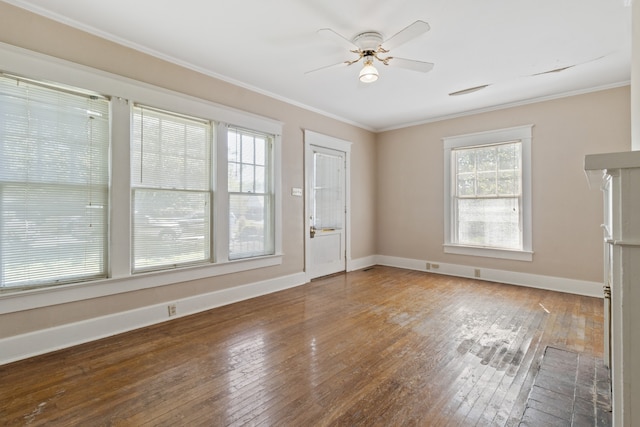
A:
x: 566, y: 214
x: 30, y: 31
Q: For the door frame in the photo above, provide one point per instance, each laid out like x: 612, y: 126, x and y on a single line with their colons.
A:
x: 326, y: 141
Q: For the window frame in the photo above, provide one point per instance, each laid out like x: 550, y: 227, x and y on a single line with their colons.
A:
x: 522, y: 134
x: 207, y: 190
x: 268, y: 193
x: 124, y: 92
x: 87, y: 186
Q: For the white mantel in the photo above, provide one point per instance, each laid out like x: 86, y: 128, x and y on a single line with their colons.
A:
x: 621, y: 160
x: 618, y: 174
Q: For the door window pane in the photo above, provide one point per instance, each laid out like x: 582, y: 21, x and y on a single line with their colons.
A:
x: 327, y: 188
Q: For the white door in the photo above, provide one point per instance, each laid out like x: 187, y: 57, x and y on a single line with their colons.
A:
x: 326, y: 174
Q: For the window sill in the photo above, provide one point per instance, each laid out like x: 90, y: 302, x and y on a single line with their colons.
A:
x: 21, y: 300
x: 488, y: 252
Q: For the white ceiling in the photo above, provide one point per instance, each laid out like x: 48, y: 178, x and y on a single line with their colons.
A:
x: 268, y: 45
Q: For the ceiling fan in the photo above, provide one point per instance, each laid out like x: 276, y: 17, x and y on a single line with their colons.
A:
x: 370, y: 47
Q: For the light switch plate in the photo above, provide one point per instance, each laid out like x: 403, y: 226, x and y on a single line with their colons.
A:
x: 296, y: 191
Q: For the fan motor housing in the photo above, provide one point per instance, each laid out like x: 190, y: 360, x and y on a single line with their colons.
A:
x: 368, y: 41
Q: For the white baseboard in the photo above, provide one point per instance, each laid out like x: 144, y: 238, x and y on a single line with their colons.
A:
x: 558, y: 284
x: 409, y: 264
x: 46, y: 340
x: 360, y: 263
x: 43, y: 341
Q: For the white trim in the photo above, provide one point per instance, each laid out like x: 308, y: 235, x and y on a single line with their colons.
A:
x: 321, y: 140
x: 488, y: 252
x: 609, y: 162
x: 551, y: 283
x: 407, y: 263
x: 362, y: 263
x: 53, y: 295
x: 276, y: 168
x: 488, y: 137
x: 46, y: 340
x: 221, y: 198
x: 120, y: 261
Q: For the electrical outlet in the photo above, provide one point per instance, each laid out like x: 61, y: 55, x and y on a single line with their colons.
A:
x: 428, y: 266
x: 434, y: 266
x: 172, y: 310
x: 476, y: 272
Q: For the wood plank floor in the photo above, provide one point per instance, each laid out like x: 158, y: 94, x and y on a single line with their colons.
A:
x: 381, y: 346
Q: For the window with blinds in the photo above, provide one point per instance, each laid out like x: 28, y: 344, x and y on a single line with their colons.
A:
x: 54, y: 184
x: 171, y: 189
x: 251, y: 196
x: 487, y: 195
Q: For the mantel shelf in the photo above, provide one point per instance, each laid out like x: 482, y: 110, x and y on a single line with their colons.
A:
x: 623, y: 242
x: 622, y: 160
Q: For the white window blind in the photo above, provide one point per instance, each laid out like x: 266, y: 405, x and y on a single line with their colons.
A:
x: 54, y: 145
x: 171, y: 180
x: 487, y: 195
x: 251, y: 198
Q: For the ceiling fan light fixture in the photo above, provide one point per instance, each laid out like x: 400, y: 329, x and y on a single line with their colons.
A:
x: 368, y: 74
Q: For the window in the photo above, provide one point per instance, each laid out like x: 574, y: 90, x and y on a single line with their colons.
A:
x: 487, y: 206
x: 486, y: 197
x: 171, y: 182
x: 98, y: 189
x: 250, y: 188
x: 54, y: 145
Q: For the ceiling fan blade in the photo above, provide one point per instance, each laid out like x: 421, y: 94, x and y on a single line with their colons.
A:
x: 332, y: 35
x: 326, y: 67
x: 408, y: 33
x: 411, y: 64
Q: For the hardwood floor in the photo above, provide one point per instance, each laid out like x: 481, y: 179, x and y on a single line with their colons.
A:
x: 382, y: 346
